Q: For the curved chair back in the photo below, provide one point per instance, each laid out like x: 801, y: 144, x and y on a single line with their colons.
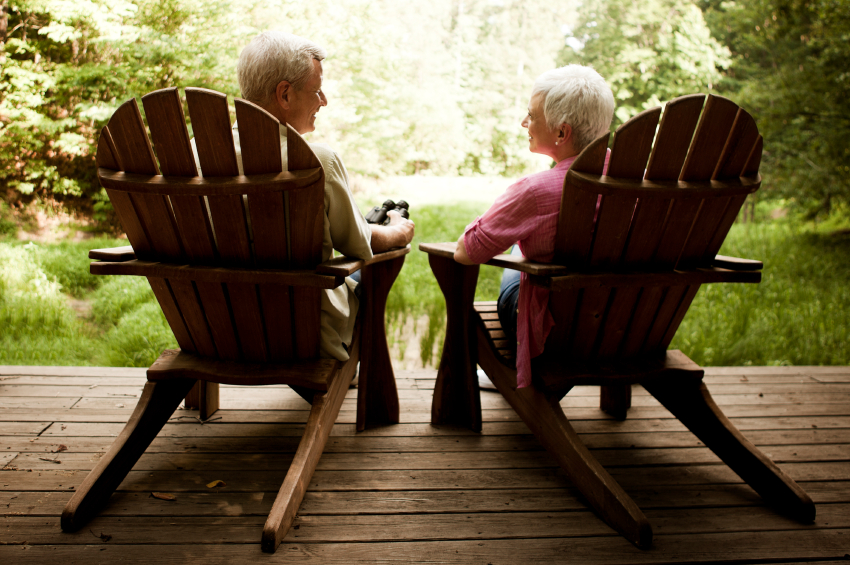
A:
x: 232, y: 225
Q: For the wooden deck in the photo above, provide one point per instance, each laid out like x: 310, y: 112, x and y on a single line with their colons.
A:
x: 413, y: 492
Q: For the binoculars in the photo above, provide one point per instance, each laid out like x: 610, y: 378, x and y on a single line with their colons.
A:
x: 378, y: 214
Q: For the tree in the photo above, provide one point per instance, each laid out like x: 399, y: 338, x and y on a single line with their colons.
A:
x: 649, y: 51
x: 790, y: 70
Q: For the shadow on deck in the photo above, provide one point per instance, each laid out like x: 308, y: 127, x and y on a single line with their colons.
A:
x: 414, y: 492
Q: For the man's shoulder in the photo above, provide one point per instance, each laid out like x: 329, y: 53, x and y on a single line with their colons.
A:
x: 325, y: 153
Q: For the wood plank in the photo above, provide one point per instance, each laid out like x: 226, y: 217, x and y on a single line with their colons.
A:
x: 681, y: 548
x: 710, y: 138
x: 674, y: 137
x: 306, y: 207
x: 418, y: 479
x: 248, y: 318
x: 610, y: 458
x: 215, y: 274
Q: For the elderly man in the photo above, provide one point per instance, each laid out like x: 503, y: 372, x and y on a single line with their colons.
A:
x: 569, y: 108
x: 282, y: 73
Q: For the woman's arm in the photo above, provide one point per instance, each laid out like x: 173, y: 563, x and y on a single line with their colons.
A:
x: 461, y: 256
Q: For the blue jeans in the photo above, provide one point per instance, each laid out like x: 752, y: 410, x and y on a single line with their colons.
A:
x: 358, y: 290
x: 509, y: 299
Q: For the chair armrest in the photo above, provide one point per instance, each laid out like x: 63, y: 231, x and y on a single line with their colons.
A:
x: 514, y: 262
x: 344, y: 266
x: 576, y: 281
x: 736, y: 264
x: 113, y: 254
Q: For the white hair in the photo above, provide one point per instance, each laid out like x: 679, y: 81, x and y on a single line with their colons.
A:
x: 272, y: 57
x: 577, y: 96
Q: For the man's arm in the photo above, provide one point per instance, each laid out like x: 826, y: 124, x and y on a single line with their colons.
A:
x: 398, y: 233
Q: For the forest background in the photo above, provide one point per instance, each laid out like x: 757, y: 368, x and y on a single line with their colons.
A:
x: 433, y: 89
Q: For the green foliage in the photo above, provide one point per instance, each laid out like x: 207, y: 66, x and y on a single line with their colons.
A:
x: 416, y: 294
x: 138, y: 339
x: 117, y: 297
x: 67, y: 263
x: 649, y: 52
x: 790, y: 61
x: 38, y: 326
x: 65, y: 66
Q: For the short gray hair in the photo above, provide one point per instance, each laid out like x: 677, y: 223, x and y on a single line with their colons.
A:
x: 272, y: 57
x: 578, y: 96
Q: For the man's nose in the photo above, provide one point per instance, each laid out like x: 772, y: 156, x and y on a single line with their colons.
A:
x: 323, y: 98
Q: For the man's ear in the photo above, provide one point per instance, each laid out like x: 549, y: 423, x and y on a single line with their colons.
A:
x: 283, y: 94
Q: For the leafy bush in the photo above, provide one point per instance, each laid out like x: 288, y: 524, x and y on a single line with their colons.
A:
x: 138, y: 338
x: 119, y: 296
x: 38, y: 326
x: 67, y: 263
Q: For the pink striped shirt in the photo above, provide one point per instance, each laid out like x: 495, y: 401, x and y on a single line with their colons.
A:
x: 527, y: 212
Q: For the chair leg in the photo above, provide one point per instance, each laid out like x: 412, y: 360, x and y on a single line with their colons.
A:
x: 323, y: 414
x: 377, y: 395
x: 692, y: 404
x: 457, y: 400
x: 203, y: 397
x: 546, y: 419
x: 616, y: 400
x: 158, y: 401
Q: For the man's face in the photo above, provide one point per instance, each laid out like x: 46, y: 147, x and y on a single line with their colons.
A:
x: 540, y: 138
x: 305, y: 102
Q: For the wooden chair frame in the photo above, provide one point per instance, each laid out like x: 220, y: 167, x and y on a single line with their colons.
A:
x: 238, y: 280
x: 619, y: 288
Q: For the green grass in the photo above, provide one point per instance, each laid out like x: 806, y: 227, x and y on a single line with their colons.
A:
x: 796, y: 316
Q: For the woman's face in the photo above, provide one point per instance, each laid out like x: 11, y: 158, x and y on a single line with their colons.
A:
x: 540, y: 138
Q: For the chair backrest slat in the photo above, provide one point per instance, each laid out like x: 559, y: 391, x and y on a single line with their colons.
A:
x: 171, y: 141
x: 191, y: 309
x: 259, y: 137
x: 710, y: 139
x: 739, y: 145
x: 305, y: 206
x: 574, y: 237
x: 248, y: 318
x: 674, y: 137
x: 754, y: 160
x: 217, y: 155
x: 618, y: 319
x: 217, y: 308
x: 165, y: 297
x: 152, y: 213
x: 630, y: 151
x: 589, y: 321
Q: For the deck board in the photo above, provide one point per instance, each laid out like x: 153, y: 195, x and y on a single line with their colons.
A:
x: 415, y: 492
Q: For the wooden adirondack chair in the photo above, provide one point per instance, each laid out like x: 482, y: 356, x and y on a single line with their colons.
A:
x: 235, y: 263
x: 620, y: 287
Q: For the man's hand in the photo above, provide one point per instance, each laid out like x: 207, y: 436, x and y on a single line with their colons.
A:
x: 398, y: 233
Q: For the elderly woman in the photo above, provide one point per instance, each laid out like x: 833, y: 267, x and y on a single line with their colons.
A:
x: 569, y: 108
